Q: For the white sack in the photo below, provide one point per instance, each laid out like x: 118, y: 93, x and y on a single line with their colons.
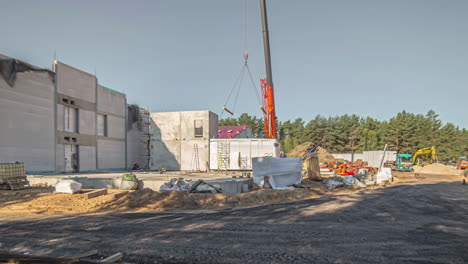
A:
x: 67, y: 186
x: 384, y: 175
x: 281, y: 172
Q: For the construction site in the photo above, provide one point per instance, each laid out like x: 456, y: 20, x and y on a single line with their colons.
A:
x: 86, y: 177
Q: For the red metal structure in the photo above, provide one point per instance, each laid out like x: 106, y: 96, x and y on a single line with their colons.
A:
x: 268, y: 107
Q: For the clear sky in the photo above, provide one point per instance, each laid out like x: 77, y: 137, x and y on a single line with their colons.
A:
x: 368, y: 57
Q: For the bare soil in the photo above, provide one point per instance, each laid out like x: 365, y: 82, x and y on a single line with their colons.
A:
x: 417, y: 220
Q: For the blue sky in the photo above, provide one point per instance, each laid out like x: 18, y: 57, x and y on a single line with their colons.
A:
x: 366, y: 57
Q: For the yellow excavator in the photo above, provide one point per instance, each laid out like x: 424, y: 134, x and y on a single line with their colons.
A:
x: 425, y: 155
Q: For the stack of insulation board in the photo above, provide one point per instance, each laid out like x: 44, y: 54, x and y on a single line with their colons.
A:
x: 8, y: 170
x: 237, y: 154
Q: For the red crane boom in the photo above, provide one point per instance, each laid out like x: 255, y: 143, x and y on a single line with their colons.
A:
x: 268, y: 95
x: 268, y: 107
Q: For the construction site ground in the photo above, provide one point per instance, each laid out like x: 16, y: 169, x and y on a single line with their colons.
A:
x: 414, y: 220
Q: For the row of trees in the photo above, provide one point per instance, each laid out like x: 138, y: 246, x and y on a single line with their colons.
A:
x: 405, y: 132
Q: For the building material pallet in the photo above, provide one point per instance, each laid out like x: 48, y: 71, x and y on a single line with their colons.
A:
x: 18, y: 183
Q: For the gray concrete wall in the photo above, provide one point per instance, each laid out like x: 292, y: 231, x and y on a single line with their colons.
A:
x: 173, y: 139
x: 78, y: 87
x: 110, y: 101
x: 214, y: 124
x: 137, y: 135
x: 87, y: 123
x: 111, y: 149
x: 27, y: 121
x: 87, y: 158
x: 75, y: 83
x: 111, y: 154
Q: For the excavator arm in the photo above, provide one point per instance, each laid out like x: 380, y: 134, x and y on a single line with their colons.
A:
x: 428, y: 154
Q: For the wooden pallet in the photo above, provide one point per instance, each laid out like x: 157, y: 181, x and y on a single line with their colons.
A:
x: 18, y: 183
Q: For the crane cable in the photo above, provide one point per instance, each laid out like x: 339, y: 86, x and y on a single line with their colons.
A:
x: 238, y: 82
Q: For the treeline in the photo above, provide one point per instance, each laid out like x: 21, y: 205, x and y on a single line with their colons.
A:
x: 405, y: 132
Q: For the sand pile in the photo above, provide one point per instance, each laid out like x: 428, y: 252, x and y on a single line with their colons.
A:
x: 157, y: 201
x: 324, y: 156
x: 44, y: 201
x: 436, y: 168
x: 299, y: 150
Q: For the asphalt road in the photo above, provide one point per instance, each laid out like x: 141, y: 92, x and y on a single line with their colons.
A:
x: 424, y: 223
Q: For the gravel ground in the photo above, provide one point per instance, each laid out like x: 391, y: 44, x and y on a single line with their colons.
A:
x: 405, y: 223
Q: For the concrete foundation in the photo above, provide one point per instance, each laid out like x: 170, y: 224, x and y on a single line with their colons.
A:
x: 149, y: 180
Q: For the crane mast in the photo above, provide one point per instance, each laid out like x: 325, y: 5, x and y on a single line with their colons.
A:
x: 268, y: 95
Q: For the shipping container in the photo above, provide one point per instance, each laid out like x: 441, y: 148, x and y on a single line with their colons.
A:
x: 237, y: 154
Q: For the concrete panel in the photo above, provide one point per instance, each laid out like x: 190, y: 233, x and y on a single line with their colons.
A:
x: 165, y: 155
x: 115, y: 127
x: 87, y: 158
x: 187, y: 159
x: 168, y: 122
x: 187, y: 124
x: 60, y: 158
x: 173, y: 137
x: 60, y: 117
x: 214, y: 123
x: 111, y: 154
x: 75, y: 83
x: 111, y: 102
x: 87, y: 122
x: 27, y: 121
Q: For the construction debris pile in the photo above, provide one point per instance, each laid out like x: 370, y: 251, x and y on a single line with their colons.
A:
x: 181, y: 185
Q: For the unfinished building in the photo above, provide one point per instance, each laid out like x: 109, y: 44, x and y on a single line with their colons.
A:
x: 27, y: 115
x: 63, y: 120
x: 181, y: 140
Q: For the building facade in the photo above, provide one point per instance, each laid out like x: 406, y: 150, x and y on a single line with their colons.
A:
x: 181, y: 140
x: 63, y: 120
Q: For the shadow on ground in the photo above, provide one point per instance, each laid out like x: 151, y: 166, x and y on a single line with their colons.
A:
x: 425, y: 223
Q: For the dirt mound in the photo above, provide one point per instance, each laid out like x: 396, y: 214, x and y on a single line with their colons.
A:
x: 259, y: 197
x: 299, y: 150
x: 157, y: 201
x: 324, y: 156
x: 436, y: 168
x: 44, y: 201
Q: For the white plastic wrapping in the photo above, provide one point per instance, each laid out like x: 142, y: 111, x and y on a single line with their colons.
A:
x: 384, y: 175
x: 175, y: 184
x: 281, y: 172
x: 67, y: 186
x: 350, y: 180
